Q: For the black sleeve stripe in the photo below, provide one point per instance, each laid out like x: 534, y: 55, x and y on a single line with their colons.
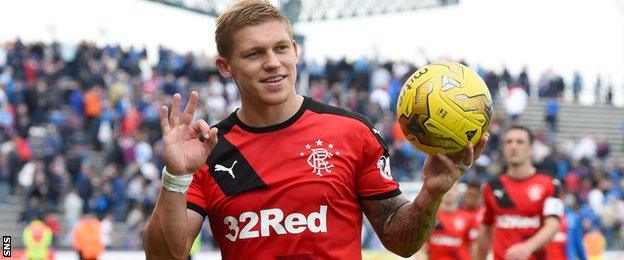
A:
x: 382, y: 196
x: 194, y: 207
x: 553, y: 216
x: 500, y: 193
x: 321, y: 108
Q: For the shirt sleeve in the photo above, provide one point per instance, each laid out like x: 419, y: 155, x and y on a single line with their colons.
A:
x: 553, y: 205
x: 487, y: 216
x: 374, y: 178
x: 195, y: 197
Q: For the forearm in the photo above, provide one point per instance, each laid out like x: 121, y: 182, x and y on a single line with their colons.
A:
x: 410, y: 226
x: 166, y: 232
x: 544, y: 234
x: 483, y: 244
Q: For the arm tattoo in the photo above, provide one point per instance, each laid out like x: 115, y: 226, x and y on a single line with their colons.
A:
x: 402, y: 226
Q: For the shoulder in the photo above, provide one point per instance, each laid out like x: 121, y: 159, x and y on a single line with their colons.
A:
x: 494, y: 183
x: 547, y: 179
x: 352, y: 119
x: 553, y: 184
x: 226, y: 124
x: 348, y: 120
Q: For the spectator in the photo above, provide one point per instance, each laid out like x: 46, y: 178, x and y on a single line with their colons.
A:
x: 595, y: 244
x: 585, y: 148
x: 87, y: 238
x: 37, y: 240
x: 107, y: 228
x: 73, y: 208
x: 55, y: 226
x: 602, y: 150
x: 577, y: 85
x: 574, y: 247
x: 598, y: 89
x: 552, y: 114
x: 515, y: 103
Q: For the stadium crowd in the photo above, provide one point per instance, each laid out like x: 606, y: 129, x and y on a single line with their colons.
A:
x: 80, y: 133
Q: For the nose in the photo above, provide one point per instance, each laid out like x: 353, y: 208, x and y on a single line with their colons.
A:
x: 272, y: 62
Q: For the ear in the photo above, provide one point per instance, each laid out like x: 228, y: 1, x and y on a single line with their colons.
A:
x: 296, y: 48
x: 223, y: 67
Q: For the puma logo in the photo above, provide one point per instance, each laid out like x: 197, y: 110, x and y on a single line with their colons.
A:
x: 222, y: 168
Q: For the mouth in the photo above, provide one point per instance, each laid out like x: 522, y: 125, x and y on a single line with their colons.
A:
x: 274, y: 81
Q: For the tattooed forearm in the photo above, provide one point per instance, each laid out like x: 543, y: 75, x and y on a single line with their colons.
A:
x: 402, y: 226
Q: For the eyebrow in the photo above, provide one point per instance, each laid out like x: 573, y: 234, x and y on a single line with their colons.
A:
x: 260, y: 48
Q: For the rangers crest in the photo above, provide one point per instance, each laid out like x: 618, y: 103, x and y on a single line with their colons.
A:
x: 535, y: 192
x: 319, y: 157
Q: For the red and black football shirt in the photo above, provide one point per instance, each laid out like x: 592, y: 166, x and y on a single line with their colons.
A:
x: 556, y: 249
x: 516, y: 208
x: 452, y: 236
x: 292, y: 190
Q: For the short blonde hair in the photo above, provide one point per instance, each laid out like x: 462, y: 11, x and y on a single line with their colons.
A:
x: 245, y: 13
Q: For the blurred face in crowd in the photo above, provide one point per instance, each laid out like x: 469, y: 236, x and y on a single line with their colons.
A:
x: 263, y: 63
x: 472, y: 197
x: 450, y: 201
x: 517, y: 148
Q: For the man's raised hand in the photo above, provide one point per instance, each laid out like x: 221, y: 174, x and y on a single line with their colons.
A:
x: 183, y: 152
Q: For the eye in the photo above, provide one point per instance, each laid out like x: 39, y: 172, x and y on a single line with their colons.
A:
x: 282, y: 48
x: 252, y: 55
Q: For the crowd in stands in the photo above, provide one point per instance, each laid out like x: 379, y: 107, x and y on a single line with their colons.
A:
x: 80, y: 133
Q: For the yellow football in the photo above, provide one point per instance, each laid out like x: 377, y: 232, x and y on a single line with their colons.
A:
x: 443, y: 106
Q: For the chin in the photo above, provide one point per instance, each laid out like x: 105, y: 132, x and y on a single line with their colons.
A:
x: 276, y: 98
x: 515, y: 163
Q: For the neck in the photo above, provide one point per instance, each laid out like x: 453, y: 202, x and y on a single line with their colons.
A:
x: 260, y: 115
x: 521, y: 171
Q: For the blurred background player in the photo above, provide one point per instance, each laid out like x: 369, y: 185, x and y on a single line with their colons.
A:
x: 522, y: 209
x: 472, y: 202
x: 454, y: 232
x: 568, y: 241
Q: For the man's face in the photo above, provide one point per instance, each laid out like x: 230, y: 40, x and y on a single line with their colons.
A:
x: 263, y: 63
x: 516, y: 147
x: 472, y: 197
x: 450, y: 198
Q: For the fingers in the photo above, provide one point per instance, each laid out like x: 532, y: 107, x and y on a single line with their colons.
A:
x: 212, y: 139
x: 481, y: 145
x: 202, y: 128
x: 164, y: 120
x: 187, y: 116
x: 207, y: 135
x: 450, y: 165
x: 468, y: 155
x: 175, y: 110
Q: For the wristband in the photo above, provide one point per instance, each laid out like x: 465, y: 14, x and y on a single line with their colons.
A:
x: 176, y: 183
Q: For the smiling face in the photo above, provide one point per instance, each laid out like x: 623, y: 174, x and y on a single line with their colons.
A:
x: 263, y: 62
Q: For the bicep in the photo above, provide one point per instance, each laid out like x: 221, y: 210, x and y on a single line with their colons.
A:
x: 379, y: 212
x: 194, y: 223
x: 552, y: 223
